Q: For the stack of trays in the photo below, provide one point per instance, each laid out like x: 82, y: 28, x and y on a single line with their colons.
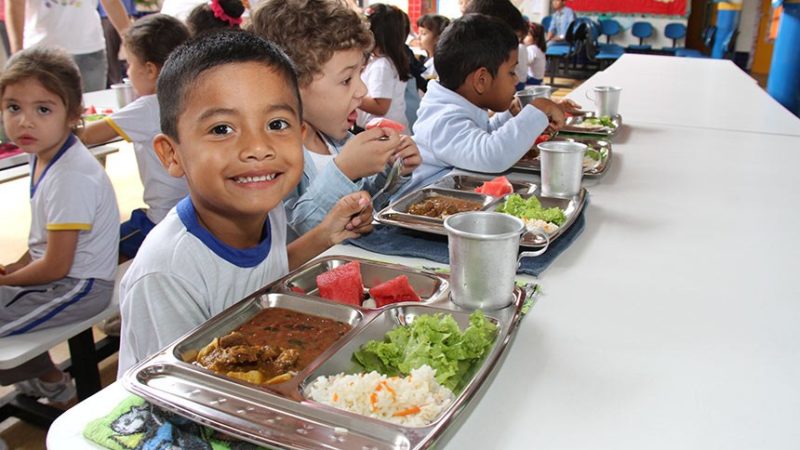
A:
x: 281, y: 414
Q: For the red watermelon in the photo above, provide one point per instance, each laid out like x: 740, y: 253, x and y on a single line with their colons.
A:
x: 393, y: 291
x: 342, y: 284
x: 382, y: 122
x: 497, y: 187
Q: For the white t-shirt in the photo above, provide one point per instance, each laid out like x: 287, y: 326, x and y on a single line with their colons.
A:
x: 537, y: 62
x: 73, y: 25
x: 180, y: 9
x: 383, y: 81
x: 522, y: 63
x: 320, y: 161
x: 183, y: 275
x: 139, y: 122
x: 430, y: 70
x: 74, y: 193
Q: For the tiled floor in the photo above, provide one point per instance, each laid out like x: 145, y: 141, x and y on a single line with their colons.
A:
x: 14, y: 225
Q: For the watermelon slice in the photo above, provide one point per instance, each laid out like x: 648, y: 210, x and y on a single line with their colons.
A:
x: 497, y: 187
x: 342, y: 284
x: 395, y: 290
x: 382, y: 122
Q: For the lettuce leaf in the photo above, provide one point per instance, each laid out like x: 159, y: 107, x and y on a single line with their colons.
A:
x: 435, y: 340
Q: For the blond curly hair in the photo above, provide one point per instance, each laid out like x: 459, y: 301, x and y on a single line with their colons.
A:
x: 311, y: 31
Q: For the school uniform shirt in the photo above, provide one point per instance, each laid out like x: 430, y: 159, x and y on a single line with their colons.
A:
x: 74, y: 193
x: 522, y: 63
x: 537, y: 62
x: 560, y: 21
x: 382, y: 80
x: 453, y: 133
x: 72, y: 25
x: 430, y: 70
x: 183, y: 275
x: 139, y: 122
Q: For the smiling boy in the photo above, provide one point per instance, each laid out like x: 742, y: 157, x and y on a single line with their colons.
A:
x: 230, y: 116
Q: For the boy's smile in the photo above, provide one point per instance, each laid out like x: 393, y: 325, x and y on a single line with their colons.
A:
x: 334, y: 95
x: 240, y: 147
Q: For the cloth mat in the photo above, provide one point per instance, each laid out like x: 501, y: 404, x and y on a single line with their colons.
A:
x: 136, y: 424
x: 391, y: 240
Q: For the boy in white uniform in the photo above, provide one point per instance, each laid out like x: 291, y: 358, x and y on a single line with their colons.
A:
x: 67, y: 274
x: 148, y: 42
x: 231, y: 123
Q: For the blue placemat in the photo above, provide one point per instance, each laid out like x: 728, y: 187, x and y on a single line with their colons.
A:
x: 390, y: 240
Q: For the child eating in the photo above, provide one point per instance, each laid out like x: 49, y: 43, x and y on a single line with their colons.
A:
x: 231, y: 122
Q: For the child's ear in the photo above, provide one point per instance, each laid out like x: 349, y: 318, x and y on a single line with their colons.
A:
x: 152, y: 70
x: 166, y: 149
x: 481, y: 80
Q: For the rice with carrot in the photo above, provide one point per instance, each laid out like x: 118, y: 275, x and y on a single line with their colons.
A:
x: 415, y: 400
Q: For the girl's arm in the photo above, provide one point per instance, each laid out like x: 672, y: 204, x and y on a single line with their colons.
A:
x: 376, y: 106
x: 98, y: 132
x: 15, y: 21
x: 55, y: 264
x: 117, y: 15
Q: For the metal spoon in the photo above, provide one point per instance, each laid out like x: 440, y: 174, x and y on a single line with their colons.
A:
x: 392, y: 178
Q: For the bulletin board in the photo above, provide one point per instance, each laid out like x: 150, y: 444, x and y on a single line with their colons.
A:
x: 648, y: 7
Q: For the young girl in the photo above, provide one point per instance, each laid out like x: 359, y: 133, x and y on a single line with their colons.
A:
x: 148, y: 42
x: 214, y: 16
x: 387, y: 70
x: 326, y: 41
x: 67, y: 274
x: 536, y: 47
x: 430, y: 28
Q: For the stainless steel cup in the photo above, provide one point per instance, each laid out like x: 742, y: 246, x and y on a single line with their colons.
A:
x: 527, y: 95
x: 124, y: 93
x: 562, y: 167
x: 606, y: 100
x: 483, y: 250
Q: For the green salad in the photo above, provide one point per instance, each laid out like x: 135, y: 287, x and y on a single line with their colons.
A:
x: 531, y: 209
x: 435, y: 340
x: 604, y: 121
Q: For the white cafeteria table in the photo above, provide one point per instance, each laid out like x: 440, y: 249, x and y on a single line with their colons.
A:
x: 671, y: 322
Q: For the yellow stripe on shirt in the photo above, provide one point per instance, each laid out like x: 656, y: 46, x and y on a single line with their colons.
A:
x: 116, y: 128
x: 68, y: 226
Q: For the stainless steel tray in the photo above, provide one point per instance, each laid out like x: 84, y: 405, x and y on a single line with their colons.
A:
x: 280, y: 415
x: 573, y: 123
x: 395, y: 214
x: 430, y: 287
x: 531, y: 162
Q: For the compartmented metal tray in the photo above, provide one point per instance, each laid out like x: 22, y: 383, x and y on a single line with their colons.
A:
x: 574, y: 124
x: 531, y: 163
x: 396, y: 214
x: 280, y: 415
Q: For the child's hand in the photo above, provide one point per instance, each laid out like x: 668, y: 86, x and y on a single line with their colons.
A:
x: 2, y: 269
x: 367, y: 154
x: 552, y: 110
x: 569, y: 107
x: 516, y: 106
x: 350, y: 217
x: 409, y: 151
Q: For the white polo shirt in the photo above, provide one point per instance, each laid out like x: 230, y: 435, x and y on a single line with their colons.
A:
x: 74, y: 193
x: 383, y: 81
x: 73, y: 25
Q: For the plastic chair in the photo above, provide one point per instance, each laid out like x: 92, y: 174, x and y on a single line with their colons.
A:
x: 642, y: 30
x: 610, y: 28
x: 546, y: 23
x: 709, y: 34
x: 674, y: 31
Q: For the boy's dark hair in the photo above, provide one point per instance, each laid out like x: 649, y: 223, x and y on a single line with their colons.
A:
x: 54, y: 69
x: 389, y: 29
x: 469, y: 43
x: 433, y: 22
x: 203, y: 20
x: 206, y: 52
x: 503, y: 10
x: 153, y: 37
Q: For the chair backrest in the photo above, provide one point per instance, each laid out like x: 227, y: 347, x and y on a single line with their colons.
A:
x: 546, y: 22
x: 675, y: 31
x: 642, y: 30
x: 709, y: 33
x: 610, y: 28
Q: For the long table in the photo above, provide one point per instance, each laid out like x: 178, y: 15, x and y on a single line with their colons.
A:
x: 671, y: 322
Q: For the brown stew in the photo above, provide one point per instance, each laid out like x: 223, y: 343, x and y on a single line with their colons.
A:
x: 440, y: 206
x: 276, y: 342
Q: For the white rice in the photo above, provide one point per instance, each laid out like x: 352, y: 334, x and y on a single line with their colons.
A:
x: 415, y: 400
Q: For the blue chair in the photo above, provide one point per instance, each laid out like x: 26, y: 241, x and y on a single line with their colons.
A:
x: 674, y: 31
x: 608, y: 53
x: 642, y: 30
x: 709, y: 34
x: 546, y: 23
x: 610, y: 28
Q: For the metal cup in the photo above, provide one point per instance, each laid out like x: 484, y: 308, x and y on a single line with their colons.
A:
x: 606, y: 100
x: 483, y: 250
x: 124, y: 93
x: 527, y: 95
x: 562, y: 167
